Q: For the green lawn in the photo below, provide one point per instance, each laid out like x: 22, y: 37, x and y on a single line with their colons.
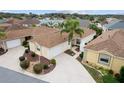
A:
x: 109, y: 79
x: 95, y: 74
x: 99, y: 78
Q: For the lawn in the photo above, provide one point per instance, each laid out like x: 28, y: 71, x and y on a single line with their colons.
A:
x: 95, y: 74
x: 109, y: 79
x: 99, y: 78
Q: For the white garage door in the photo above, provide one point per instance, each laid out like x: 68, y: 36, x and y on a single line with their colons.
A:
x: 13, y: 43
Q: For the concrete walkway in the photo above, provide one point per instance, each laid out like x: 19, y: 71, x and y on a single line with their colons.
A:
x: 67, y: 70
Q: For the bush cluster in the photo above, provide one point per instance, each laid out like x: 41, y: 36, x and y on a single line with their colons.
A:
x: 24, y: 64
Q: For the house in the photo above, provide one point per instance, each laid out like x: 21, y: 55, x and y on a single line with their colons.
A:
x: 30, y: 22
x: 47, y: 42
x: 51, y: 43
x: 84, y: 23
x: 107, y: 50
x: 2, y: 21
x: 118, y: 24
x: 54, y: 22
x: 4, y: 26
x: 13, y: 21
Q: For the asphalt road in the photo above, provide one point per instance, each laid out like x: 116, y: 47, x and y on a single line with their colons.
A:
x: 10, y: 76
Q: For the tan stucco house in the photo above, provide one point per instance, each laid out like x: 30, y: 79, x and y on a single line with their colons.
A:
x: 107, y: 50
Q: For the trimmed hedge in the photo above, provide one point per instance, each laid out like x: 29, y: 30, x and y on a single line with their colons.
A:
x: 111, y: 72
x: 45, y: 66
x: 22, y: 58
x: 24, y: 64
x: 27, y: 51
x: 53, y: 61
x: 37, y: 68
x: 33, y: 54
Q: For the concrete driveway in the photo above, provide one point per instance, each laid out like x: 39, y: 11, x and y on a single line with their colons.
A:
x: 67, y: 70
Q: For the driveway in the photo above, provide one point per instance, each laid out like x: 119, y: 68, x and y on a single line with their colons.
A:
x: 67, y: 70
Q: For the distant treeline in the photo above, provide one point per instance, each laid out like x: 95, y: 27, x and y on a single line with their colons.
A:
x: 57, y: 15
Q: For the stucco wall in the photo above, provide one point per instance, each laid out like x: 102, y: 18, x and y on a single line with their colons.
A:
x: 49, y: 52
x: 85, y: 40
x: 34, y: 46
x: 56, y: 50
x: 117, y: 64
x: 93, y: 57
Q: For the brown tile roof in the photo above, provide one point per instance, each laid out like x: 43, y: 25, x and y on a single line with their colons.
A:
x: 112, y: 42
x: 5, y: 25
x: 15, y: 27
x: 45, y: 36
x: 14, y: 21
x: 30, y: 21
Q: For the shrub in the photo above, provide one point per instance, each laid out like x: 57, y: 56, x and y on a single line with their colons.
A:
x: 37, y: 68
x: 25, y: 44
x: 27, y: 51
x: 111, y: 72
x: 33, y: 54
x: 24, y: 64
x: 22, y: 58
x: 117, y: 76
x: 45, y: 66
x: 81, y: 55
x: 53, y: 61
x: 122, y: 74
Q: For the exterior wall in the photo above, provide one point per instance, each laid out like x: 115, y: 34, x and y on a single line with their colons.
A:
x: 34, y: 46
x: 99, y: 25
x: 45, y: 52
x: 117, y: 64
x: 49, y: 52
x: 93, y: 57
x: 85, y: 40
x: 5, y: 45
x: 54, y: 51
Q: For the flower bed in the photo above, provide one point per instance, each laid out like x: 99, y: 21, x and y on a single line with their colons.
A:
x: 35, y: 60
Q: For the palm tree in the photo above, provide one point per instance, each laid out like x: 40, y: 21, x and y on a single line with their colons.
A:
x: 72, y: 27
x: 2, y: 34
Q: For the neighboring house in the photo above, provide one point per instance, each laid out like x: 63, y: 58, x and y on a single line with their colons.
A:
x: 2, y: 21
x: 13, y: 21
x: 84, y: 23
x: 85, y: 39
x: 51, y: 22
x: 4, y: 26
x: 47, y: 42
x: 30, y: 22
x: 111, y: 19
x: 107, y: 50
x: 118, y: 24
x: 15, y: 27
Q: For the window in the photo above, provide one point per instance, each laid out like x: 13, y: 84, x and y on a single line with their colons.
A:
x: 38, y: 49
x: 104, y: 59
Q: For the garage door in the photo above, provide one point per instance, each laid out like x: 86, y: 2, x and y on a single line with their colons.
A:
x: 13, y: 43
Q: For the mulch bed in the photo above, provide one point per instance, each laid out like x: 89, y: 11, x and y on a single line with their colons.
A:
x: 69, y: 52
x: 77, y: 49
x: 79, y: 58
x: 35, y: 60
x: 2, y: 51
